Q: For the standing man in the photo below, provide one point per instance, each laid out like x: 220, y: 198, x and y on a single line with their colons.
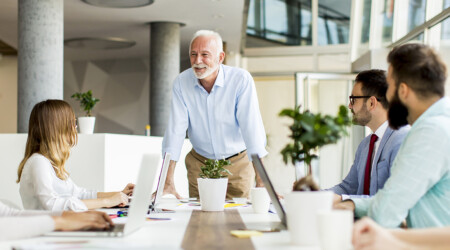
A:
x: 218, y: 106
x: 376, y: 153
x: 419, y: 186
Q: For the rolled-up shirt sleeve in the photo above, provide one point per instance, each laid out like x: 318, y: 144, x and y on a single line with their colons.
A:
x: 25, y: 226
x: 178, y: 124
x: 249, y: 118
x: 17, y: 224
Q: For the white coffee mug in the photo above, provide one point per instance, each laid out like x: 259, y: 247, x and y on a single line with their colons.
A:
x: 260, y: 200
x: 335, y: 229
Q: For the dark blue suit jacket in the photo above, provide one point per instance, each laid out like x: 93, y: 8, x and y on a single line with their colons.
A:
x: 353, y: 184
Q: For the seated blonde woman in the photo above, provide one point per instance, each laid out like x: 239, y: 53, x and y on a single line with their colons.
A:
x: 44, y: 181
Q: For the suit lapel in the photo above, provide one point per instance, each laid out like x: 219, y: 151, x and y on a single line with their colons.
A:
x: 384, y: 139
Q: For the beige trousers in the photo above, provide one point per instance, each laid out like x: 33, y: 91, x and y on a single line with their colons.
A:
x: 239, y: 183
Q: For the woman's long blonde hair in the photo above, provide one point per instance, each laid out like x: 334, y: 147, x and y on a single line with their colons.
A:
x: 51, y: 132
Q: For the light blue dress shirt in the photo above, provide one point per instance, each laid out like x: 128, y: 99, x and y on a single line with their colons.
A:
x: 221, y: 123
x: 419, y: 186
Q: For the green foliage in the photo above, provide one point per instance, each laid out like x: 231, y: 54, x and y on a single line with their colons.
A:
x: 87, y: 101
x: 214, y: 169
x: 311, y: 131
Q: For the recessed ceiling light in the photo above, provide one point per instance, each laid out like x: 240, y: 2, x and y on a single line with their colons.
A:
x: 99, y: 43
x: 119, y: 3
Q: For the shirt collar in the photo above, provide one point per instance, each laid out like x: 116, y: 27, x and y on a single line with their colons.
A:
x: 438, y: 107
x: 381, y: 129
x: 220, y: 80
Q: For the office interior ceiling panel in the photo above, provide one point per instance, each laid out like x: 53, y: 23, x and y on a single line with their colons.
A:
x: 84, y: 20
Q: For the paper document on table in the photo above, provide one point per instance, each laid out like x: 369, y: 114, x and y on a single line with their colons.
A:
x: 60, y: 245
x: 245, y: 233
x: 197, y: 204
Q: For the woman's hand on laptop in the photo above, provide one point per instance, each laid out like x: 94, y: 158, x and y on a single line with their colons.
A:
x: 70, y: 221
x: 128, y: 190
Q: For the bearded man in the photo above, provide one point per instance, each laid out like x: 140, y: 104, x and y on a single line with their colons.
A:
x: 418, y: 189
x: 376, y: 152
x: 218, y: 107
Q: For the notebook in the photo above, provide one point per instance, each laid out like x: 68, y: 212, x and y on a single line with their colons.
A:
x: 138, y: 206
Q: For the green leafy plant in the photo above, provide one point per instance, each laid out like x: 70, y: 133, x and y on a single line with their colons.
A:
x: 309, y: 132
x: 215, y: 169
x: 87, y: 101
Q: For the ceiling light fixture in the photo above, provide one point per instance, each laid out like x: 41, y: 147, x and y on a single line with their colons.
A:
x: 119, y: 3
x: 99, y: 43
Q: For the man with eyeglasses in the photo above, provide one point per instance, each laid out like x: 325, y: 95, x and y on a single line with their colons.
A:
x: 376, y: 153
x: 419, y: 188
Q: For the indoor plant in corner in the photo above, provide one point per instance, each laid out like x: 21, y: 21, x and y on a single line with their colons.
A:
x: 309, y: 132
x: 87, y: 103
x: 212, y: 184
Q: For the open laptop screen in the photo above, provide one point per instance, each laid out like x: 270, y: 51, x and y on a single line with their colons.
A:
x: 161, y: 179
x: 268, y: 184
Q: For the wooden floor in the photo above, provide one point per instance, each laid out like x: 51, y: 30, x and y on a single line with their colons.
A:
x: 211, y: 230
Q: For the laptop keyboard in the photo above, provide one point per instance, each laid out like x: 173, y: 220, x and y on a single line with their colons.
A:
x: 115, y: 228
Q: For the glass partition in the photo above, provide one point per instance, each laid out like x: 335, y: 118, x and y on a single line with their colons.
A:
x: 279, y: 23
x: 388, y: 20
x: 333, y: 23
x: 272, y: 23
x: 416, y: 15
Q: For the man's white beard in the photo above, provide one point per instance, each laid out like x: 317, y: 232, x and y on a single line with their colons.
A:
x: 208, y: 71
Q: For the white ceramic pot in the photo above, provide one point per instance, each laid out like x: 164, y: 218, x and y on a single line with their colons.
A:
x: 86, y: 124
x: 301, y: 208
x: 212, y: 193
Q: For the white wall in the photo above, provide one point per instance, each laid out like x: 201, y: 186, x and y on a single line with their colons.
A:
x: 122, y: 87
x: 8, y: 94
x: 275, y: 94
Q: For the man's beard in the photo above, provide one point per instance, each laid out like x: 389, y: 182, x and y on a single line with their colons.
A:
x: 208, y: 71
x: 397, y: 113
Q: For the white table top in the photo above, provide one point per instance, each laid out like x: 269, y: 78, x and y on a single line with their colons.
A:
x: 168, y: 234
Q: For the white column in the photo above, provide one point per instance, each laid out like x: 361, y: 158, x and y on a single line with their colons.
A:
x: 164, y: 68
x: 40, y: 58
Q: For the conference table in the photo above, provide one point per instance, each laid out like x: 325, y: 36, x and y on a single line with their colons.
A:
x: 187, y: 228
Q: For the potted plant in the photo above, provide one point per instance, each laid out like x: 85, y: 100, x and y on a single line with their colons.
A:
x: 87, y: 103
x: 212, y: 184
x: 309, y: 132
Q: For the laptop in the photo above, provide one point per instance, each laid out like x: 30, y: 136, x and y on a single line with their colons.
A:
x: 138, y: 206
x: 160, y: 187
x: 273, y: 195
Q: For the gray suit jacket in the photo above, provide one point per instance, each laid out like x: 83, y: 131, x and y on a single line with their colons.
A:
x: 353, y: 184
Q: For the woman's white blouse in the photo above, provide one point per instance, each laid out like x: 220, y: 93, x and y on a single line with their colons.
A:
x: 41, y: 189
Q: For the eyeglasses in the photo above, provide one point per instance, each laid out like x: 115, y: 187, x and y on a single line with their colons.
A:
x: 353, y: 97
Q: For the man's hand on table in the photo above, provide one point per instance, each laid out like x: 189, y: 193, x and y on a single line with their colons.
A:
x: 169, y: 188
x: 336, y: 198
x: 345, y: 205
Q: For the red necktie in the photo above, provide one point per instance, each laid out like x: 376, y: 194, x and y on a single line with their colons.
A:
x: 373, y: 139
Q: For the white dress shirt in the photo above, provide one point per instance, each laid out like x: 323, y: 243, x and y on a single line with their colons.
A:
x: 221, y: 123
x: 379, y: 132
x: 16, y: 224
x: 41, y: 189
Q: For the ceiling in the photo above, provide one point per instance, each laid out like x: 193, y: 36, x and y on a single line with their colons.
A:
x: 84, y: 20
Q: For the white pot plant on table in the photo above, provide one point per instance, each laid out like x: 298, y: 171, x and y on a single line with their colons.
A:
x: 212, y: 184
x: 87, y: 103
x: 309, y: 132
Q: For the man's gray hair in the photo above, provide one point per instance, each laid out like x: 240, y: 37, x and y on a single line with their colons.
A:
x: 214, y: 34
